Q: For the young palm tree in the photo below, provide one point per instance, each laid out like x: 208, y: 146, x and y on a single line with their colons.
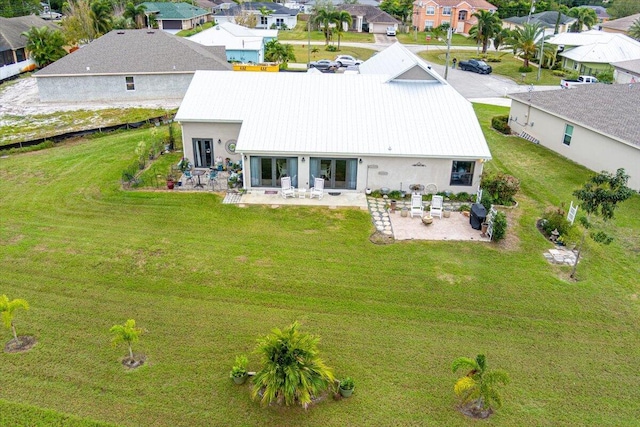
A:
x: 44, y: 45
x: 523, y: 41
x: 479, y: 385
x: 340, y: 18
x: 488, y: 25
x: 101, y: 16
x: 325, y: 17
x: 135, y: 13
x: 292, y: 372
x: 585, y: 16
x: 634, y: 30
x: 127, y: 333
x: 274, y: 51
x: 8, y: 308
x: 500, y: 37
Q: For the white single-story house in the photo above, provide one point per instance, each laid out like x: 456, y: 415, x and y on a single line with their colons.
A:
x: 128, y: 65
x: 278, y: 16
x: 368, y: 18
x: 594, y: 125
x: 592, y: 51
x: 242, y: 44
x: 395, y: 124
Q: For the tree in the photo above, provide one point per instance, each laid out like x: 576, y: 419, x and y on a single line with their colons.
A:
x: 634, y: 30
x: 600, y: 196
x: 500, y: 37
x: 8, y: 309
x: 135, y: 13
x: 274, y: 51
x: 13, y: 8
x: 101, y: 16
x: 127, y: 333
x: 340, y: 18
x: 585, y: 17
x: 478, y: 387
x: 78, y: 24
x: 523, y: 41
x: 401, y: 9
x: 44, y: 45
x: 488, y: 25
x: 246, y: 18
x: 325, y: 16
x: 622, y: 8
x: 292, y: 371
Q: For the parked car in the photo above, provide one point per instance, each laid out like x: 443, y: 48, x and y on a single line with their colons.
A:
x: 391, y: 31
x: 582, y: 80
x: 346, y: 60
x: 476, y: 66
x: 324, y: 65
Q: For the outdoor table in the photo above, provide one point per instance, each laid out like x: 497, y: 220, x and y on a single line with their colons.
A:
x: 198, y: 173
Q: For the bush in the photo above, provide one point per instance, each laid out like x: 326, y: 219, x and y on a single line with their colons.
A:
x: 555, y: 219
x: 559, y: 73
x: 464, y: 197
x: 499, y: 226
x: 501, y: 124
x: 605, y: 76
x: 493, y: 59
x: 331, y: 48
x: 524, y: 69
x: 500, y: 186
x: 486, y: 200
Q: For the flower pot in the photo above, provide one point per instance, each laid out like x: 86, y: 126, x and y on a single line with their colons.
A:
x: 427, y: 220
x: 446, y: 213
x: 367, y: 191
x: 170, y: 184
x: 240, y: 380
x: 405, y: 212
x: 484, y: 228
x: 393, y: 205
x: 345, y: 392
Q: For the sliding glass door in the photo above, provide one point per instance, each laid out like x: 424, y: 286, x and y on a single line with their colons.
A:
x: 203, y: 153
x: 337, y: 173
x: 267, y: 171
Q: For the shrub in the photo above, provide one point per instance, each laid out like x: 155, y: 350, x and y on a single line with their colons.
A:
x: 465, y: 208
x: 558, y: 73
x: 347, y: 384
x: 524, y: 69
x: 486, y: 200
x: 500, y: 186
x: 331, y: 48
x: 395, y: 194
x: 239, y: 370
x: 605, y: 76
x: 463, y: 196
x: 501, y: 124
x: 493, y: 59
x: 499, y: 226
x: 555, y: 219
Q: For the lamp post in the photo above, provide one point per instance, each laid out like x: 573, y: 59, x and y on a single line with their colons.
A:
x: 541, y: 55
x: 309, y: 41
x: 449, y: 35
x: 531, y: 9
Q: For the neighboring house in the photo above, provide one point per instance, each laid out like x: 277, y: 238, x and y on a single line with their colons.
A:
x: 369, y: 19
x: 126, y: 65
x: 627, y: 71
x: 433, y: 13
x: 606, y: 137
x: 310, y: 5
x: 289, y: 124
x: 621, y: 25
x: 593, y: 51
x: 280, y: 16
x: 545, y: 19
x: 175, y: 17
x: 242, y: 44
x: 601, y: 13
x: 14, y: 59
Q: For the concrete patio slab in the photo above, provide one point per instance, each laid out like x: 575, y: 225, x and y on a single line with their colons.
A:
x: 456, y: 227
x: 357, y: 200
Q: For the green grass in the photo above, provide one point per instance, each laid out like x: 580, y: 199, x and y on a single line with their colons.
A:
x: 299, y: 33
x: 421, y: 38
x: 196, y: 30
x: 205, y: 280
x: 507, y: 67
x: 302, y: 53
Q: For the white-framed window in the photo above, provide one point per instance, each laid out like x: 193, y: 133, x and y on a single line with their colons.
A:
x: 428, y: 25
x: 568, y: 133
x: 431, y: 10
x: 263, y: 20
x: 130, y: 83
x: 446, y: 11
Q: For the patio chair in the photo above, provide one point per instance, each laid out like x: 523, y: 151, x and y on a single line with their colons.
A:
x: 287, y: 190
x: 437, y: 204
x: 317, y: 189
x: 213, y: 178
x: 188, y: 177
x: 417, y: 208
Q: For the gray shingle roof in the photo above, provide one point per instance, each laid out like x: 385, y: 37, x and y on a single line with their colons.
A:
x: 608, y: 109
x: 139, y: 52
x: 276, y: 8
x: 11, y: 30
x: 167, y: 11
x: 371, y: 14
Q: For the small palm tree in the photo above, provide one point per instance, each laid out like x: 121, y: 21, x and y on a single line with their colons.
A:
x: 8, y: 308
x: 127, y: 333
x: 44, y: 45
x: 523, y: 41
x: 292, y: 371
x: 500, y: 37
x: 101, y: 15
x: 278, y: 52
x: 135, y: 13
x: 585, y: 17
x: 479, y: 385
x: 341, y: 18
x: 488, y: 25
x: 634, y: 30
x: 325, y: 17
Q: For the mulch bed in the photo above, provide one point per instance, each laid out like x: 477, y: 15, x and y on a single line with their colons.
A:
x: 473, y: 410
x: 23, y: 344
x: 133, y: 363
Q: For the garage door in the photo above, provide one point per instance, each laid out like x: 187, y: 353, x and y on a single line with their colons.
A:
x: 171, y: 25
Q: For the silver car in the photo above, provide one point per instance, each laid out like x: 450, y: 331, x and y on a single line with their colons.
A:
x: 346, y: 60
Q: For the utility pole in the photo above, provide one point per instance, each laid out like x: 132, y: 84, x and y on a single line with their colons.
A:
x: 309, y: 41
x: 541, y: 55
x: 449, y: 35
x: 531, y: 9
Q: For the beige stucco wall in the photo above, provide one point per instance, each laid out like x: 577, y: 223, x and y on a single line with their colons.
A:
x: 588, y: 148
x: 222, y: 131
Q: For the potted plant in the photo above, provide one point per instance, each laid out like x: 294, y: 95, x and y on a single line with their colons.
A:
x: 367, y: 191
x: 239, y: 371
x: 171, y: 181
x: 346, y: 387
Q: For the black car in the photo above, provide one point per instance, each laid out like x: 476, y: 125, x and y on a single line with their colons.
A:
x: 476, y: 66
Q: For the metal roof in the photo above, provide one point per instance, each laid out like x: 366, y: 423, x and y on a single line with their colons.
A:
x: 396, y: 61
x: 608, y: 109
x: 580, y: 39
x: 616, y: 48
x: 355, y: 114
x: 229, y: 36
x: 138, y: 52
x: 547, y: 19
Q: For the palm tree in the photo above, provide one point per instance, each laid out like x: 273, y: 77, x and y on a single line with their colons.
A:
x: 325, y: 17
x: 523, y: 41
x: 634, y: 30
x: 135, y: 13
x: 479, y: 385
x: 585, y: 18
x: 341, y: 17
x: 488, y: 25
x: 292, y: 372
x: 8, y: 308
x: 127, y: 333
x: 500, y: 37
x: 101, y: 16
x: 44, y: 45
x: 274, y: 51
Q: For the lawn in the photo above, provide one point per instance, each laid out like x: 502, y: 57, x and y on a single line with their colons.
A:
x: 302, y: 53
x: 421, y: 38
x: 508, y: 65
x: 299, y: 33
x: 206, y: 279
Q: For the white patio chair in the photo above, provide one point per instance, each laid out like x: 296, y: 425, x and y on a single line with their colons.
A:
x: 417, y: 208
x: 287, y: 190
x: 437, y: 204
x: 317, y: 189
